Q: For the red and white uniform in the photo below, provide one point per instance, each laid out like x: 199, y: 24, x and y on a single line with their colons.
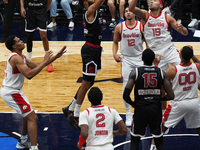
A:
x: 186, y: 102
x: 131, y: 48
x: 11, y: 90
x: 100, y: 121
x: 157, y: 35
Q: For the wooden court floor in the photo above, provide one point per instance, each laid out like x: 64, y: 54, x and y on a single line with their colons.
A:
x: 50, y: 91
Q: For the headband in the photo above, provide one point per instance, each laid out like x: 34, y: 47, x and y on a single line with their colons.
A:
x: 161, y: 2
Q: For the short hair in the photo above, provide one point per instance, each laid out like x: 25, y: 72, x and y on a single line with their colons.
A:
x: 148, y: 56
x: 95, y: 96
x: 126, y: 6
x: 187, y: 53
x: 10, y: 42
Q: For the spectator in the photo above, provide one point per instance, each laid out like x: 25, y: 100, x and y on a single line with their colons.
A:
x: 179, y: 4
x: 195, y: 12
x: 65, y: 4
x: 112, y: 9
x: 9, y: 12
x: 121, y: 9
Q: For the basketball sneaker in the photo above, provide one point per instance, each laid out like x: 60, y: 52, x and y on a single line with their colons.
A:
x: 67, y: 112
x: 50, y: 68
x: 23, y: 145
x: 74, y: 121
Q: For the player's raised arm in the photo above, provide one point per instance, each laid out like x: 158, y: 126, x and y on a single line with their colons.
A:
x: 143, y: 14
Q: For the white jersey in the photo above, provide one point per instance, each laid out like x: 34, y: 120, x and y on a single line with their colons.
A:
x: 12, y: 77
x: 156, y: 32
x: 185, y: 83
x: 100, y: 121
x: 131, y: 40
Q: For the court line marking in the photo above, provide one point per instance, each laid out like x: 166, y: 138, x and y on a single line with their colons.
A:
x: 150, y: 137
x: 71, y: 52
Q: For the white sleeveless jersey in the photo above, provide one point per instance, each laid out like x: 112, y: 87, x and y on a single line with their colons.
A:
x: 12, y: 77
x: 131, y: 40
x: 185, y: 83
x: 100, y: 121
x: 156, y: 32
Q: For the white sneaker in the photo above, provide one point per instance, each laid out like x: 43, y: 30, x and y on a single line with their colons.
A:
x: 166, y: 9
x: 71, y: 24
x: 194, y: 22
x: 178, y: 21
x: 23, y: 145
x: 112, y: 24
x: 51, y: 25
x: 153, y: 147
x: 128, y: 119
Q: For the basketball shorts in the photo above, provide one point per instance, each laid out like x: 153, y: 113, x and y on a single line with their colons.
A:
x: 169, y: 56
x: 16, y: 99
x: 147, y: 115
x: 128, y: 64
x: 187, y: 109
x: 91, y: 58
x: 102, y: 147
x: 36, y: 18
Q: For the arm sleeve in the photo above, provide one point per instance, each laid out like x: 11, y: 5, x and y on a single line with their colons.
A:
x: 126, y: 97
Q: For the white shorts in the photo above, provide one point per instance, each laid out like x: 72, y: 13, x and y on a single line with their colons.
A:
x: 16, y: 99
x: 169, y: 56
x: 128, y: 64
x: 187, y: 109
x: 102, y: 147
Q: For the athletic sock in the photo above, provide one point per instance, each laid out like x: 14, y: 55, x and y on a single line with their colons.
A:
x: 72, y: 105
x: 23, y: 138
x: 77, y: 110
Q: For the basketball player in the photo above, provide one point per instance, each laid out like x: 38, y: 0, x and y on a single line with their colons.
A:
x: 130, y: 34
x: 17, y: 68
x: 91, y: 58
x: 36, y: 17
x: 184, y: 79
x: 96, y: 123
x: 157, y: 33
x: 148, y: 81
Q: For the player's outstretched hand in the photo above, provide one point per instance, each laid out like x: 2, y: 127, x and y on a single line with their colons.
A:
x: 61, y: 52
x: 190, y: 46
x: 179, y: 27
x: 157, y: 59
x: 47, y: 57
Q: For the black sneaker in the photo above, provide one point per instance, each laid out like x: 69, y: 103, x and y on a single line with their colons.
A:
x: 3, y: 39
x: 74, y: 120
x: 67, y: 112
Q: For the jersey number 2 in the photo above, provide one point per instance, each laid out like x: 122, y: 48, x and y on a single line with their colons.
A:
x: 101, y: 117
